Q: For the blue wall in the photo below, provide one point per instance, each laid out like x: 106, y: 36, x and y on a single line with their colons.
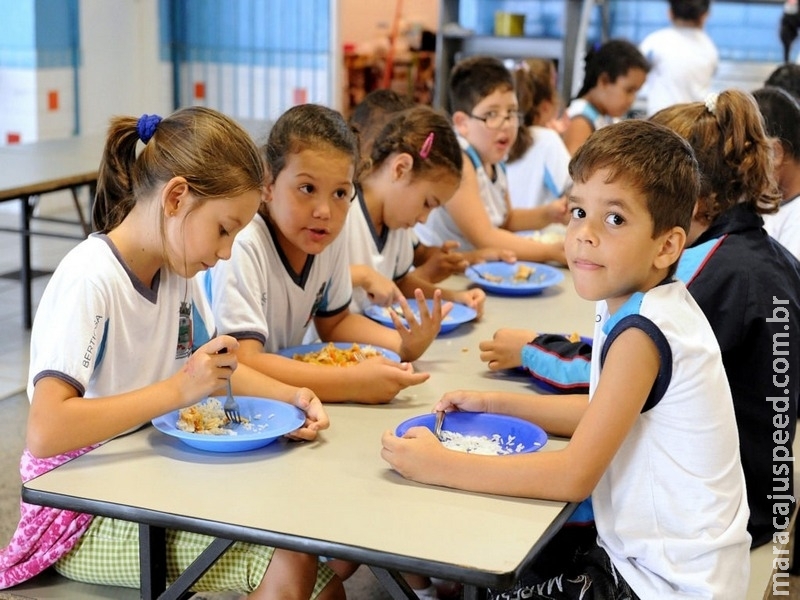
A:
x: 39, y: 34
x: 741, y: 31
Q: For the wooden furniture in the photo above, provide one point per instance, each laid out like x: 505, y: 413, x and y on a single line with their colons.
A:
x: 334, y: 497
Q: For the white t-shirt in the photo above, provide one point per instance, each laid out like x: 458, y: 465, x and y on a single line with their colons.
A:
x: 257, y: 295
x: 683, y: 62
x: 784, y: 225
x: 440, y: 226
x: 390, y: 254
x: 541, y: 174
x: 671, y: 509
x: 101, y: 330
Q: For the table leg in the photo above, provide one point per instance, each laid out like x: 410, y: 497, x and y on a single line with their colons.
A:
x: 393, y: 583
x: 25, y: 273
x: 152, y: 561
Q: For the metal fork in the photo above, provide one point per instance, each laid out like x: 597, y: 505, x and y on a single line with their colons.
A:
x: 437, y: 428
x: 231, y: 407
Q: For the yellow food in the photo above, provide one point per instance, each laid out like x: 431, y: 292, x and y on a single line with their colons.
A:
x: 574, y: 337
x: 523, y: 273
x: 339, y: 357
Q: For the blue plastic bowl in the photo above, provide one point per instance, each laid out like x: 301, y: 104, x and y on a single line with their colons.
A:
x: 518, y: 435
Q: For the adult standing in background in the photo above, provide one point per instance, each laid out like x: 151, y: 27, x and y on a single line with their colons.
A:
x: 682, y: 56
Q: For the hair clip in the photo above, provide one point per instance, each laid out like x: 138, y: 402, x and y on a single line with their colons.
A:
x: 146, y: 127
x: 711, y: 103
x: 426, y: 146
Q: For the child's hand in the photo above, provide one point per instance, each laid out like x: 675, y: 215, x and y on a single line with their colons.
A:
x: 556, y: 211
x: 414, y: 456
x: 504, y: 350
x: 474, y: 298
x: 382, y: 290
x: 490, y: 255
x: 316, y: 417
x: 378, y: 380
x: 416, y: 336
x: 464, y: 400
x: 207, y: 370
x: 442, y: 263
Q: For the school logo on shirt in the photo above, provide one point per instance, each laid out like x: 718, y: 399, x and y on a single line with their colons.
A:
x: 184, y: 331
x: 318, y: 302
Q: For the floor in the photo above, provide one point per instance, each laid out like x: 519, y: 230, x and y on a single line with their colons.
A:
x: 46, y: 253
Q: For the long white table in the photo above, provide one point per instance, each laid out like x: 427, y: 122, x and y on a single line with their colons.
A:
x: 334, y: 497
x: 37, y: 168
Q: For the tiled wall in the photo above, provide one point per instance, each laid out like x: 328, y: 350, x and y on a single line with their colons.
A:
x: 741, y: 30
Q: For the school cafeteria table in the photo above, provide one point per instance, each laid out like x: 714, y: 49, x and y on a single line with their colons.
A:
x: 335, y: 496
x: 33, y: 169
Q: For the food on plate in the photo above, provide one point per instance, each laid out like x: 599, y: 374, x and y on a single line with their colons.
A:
x: 339, y: 357
x: 523, y: 273
x: 207, y: 417
x: 492, y: 278
x: 480, y: 444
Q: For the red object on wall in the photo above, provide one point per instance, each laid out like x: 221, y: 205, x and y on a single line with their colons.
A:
x: 300, y: 96
x: 13, y: 138
x: 52, y: 100
x: 199, y: 90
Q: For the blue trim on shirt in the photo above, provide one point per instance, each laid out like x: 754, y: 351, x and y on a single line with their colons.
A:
x: 550, y: 183
x: 693, y: 259
x: 644, y: 324
x: 200, y: 333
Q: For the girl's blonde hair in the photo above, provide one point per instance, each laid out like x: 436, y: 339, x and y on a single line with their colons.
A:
x: 212, y: 152
x: 732, y: 149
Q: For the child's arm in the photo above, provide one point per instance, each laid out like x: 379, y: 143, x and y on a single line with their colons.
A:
x: 578, y: 130
x: 60, y: 420
x: 380, y: 290
x: 436, y: 263
x: 538, y: 217
x: 374, y: 381
x: 411, y: 281
x: 469, y: 213
x: 569, y: 474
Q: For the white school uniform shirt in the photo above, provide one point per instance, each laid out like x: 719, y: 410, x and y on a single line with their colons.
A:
x: 103, y: 331
x: 440, y: 226
x: 390, y: 253
x: 541, y: 174
x: 671, y: 508
x: 257, y: 295
x: 784, y: 225
x: 683, y: 61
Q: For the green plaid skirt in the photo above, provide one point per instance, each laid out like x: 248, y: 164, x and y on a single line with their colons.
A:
x: 108, y: 554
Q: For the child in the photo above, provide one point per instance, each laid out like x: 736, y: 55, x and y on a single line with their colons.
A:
x: 414, y: 166
x: 786, y: 77
x: 123, y: 335
x: 432, y: 263
x: 538, y: 162
x: 486, y: 117
x: 289, y: 268
x: 614, y: 74
x: 683, y: 58
x: 656, y: 446
x: 781, y: 114
x: 729, y: 258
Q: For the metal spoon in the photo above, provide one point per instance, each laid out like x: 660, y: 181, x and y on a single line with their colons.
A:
x: 437, y: 428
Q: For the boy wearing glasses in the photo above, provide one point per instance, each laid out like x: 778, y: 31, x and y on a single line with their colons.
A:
x: 486, y: 118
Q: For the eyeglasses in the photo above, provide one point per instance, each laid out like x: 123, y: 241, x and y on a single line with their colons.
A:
x: 494, y: 120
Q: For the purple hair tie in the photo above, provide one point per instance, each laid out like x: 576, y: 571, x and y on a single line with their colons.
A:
x: 426, y: 146
x: 146, y: 127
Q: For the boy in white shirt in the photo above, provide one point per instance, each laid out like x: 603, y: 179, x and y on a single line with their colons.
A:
x: 683, y: 57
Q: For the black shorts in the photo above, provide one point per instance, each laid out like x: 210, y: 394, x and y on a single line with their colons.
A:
x: 572, y: 566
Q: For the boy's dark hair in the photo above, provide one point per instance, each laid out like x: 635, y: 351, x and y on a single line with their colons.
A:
x: 689, y: 10
x: 614, y: 59
x: 373, y: 112
x: 787, y: 77
x: 654, y: 160
x: 474, y: 78
x: 781, y: 114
